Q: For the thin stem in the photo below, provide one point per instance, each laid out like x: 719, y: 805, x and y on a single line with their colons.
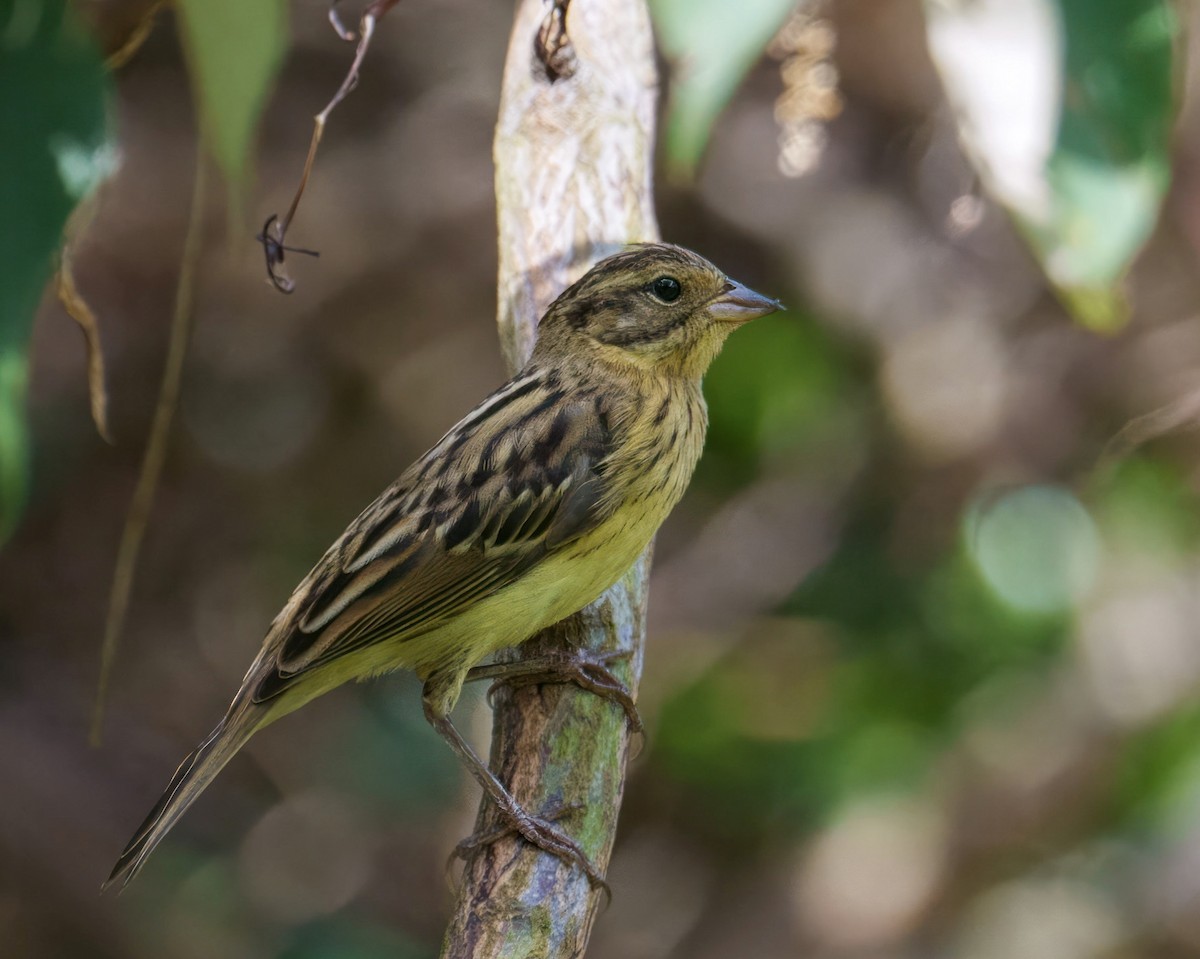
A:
x: 156, y: 446
x: 275, y: 229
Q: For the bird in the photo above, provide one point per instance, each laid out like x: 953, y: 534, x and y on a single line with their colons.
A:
x: 524, y: 512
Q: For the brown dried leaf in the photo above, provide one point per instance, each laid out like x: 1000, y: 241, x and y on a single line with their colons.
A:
x: 78, y: 309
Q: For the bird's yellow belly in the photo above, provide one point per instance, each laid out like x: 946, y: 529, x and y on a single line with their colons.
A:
x: 557, y: 587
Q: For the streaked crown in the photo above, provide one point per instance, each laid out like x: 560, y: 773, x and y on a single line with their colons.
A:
x: 653, y: 304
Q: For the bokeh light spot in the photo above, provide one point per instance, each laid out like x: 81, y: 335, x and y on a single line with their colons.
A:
x: 945, y: 383
x: 1036, y: 547
x: 866, y: 880
x: 306, y: 858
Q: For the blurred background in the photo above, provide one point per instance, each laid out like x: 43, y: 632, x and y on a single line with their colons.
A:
x: 923, y: 676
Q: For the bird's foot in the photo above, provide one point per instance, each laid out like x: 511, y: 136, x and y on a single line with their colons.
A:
x: 589, y: 671
x: 541, y: 832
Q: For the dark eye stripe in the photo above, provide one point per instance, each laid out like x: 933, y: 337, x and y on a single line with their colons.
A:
x: 630, y: 336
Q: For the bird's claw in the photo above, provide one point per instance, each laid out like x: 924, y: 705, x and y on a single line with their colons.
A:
x: 540, y: 832
x: 589, y: 671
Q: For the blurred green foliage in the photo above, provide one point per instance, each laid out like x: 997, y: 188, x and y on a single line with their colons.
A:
x: 1111, y: 165
x: 54, y: 131
x: 393, y: 725
x: 1156, y: 783
x: 352, y: 938
x: 235, y: 48
x: 1086, y: 200
x: 906, y: 646
x: 1145, y: 503
x: 780, y: 389
x: 900, y: 646
x: 712, y: 44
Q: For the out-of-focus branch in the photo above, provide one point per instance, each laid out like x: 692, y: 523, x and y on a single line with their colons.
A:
x: 573, y: 182
x: 156, y: 445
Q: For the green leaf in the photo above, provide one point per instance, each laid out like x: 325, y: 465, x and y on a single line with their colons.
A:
x: 54, y: 148
x: 711, y: 44
x: 1066, y: 108
x: 234, y: 50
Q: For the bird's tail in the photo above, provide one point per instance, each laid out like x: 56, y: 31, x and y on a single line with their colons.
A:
x: 193, y: 775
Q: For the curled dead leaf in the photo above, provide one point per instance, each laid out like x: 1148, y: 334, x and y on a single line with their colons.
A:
x: 78, y: 309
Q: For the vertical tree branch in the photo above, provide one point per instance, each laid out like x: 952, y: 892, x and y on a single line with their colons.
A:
x: 573, y: 182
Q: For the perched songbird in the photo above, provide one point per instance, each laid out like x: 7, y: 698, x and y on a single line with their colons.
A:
x: 523, y: 513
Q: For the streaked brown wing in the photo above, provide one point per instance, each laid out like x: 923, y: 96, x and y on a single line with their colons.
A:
x: 482, y: 508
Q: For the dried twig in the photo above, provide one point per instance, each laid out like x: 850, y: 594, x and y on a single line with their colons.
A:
x: 275, y: 229
x: 1180, y: 414
x: 274, y: 251
x: 553, y: 46
x: 156, y: 445
x: 137, y: 36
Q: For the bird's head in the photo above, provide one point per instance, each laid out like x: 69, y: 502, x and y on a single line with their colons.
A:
x: 653, y: 306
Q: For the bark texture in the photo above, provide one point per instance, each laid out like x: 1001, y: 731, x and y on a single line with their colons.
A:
x: 573, y: 182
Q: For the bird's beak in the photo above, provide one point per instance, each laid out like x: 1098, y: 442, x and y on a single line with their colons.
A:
x: 739, y: 304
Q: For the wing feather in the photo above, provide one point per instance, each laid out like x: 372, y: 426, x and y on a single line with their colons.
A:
x: 454, y: 529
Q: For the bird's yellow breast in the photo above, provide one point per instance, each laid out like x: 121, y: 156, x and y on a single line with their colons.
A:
x: 647, y: 473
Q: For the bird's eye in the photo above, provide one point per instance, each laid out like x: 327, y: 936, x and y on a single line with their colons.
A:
x: 666, y: 288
